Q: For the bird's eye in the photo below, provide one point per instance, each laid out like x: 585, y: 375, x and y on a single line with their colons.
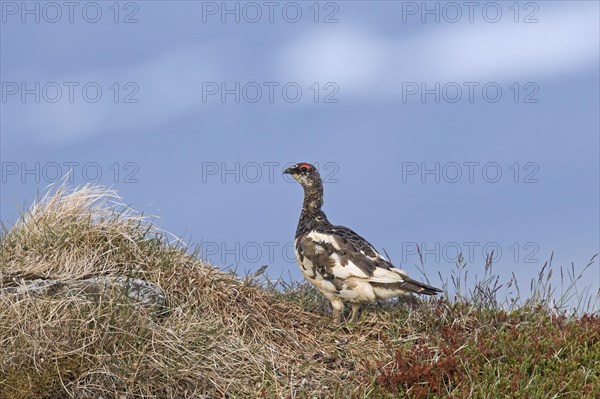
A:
x: 304, y: 168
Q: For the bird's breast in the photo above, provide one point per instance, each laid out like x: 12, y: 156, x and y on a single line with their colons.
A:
x: 306, y: 266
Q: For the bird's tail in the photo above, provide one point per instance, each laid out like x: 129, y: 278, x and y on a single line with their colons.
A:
x: 418, y: 287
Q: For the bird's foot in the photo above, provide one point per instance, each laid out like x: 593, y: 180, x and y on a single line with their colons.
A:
x: 355, y: 312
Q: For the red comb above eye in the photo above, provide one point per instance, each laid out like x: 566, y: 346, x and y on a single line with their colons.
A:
x: 305, y: 165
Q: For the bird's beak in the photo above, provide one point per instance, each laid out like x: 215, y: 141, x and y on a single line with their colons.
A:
x: 289, y: 171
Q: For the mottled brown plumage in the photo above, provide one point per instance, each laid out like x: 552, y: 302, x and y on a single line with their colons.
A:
x: 342, y: 265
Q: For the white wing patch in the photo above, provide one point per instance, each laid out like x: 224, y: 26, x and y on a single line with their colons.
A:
x: 356, y: 283
x: 347, y: 271
x: 324, y: 238
x: 386, y: 276
x: 380, y: 275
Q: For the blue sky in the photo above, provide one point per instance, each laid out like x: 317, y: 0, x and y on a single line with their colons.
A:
x: 437, y: 125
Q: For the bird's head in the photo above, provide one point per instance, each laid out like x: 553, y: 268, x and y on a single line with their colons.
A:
x: 305, y: 173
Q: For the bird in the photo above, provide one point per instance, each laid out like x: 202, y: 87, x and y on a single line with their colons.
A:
x: 343, y: 266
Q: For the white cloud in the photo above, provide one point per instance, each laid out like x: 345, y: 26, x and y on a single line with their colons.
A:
x: 565, y: 40
x: 167, y: 87
x: 347, y: 56
x: 365, y: 65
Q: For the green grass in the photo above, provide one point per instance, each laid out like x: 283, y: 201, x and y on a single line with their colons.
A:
x: 226, y: 336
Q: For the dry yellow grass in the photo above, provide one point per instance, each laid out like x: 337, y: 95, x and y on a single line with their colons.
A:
x: 222, y: 336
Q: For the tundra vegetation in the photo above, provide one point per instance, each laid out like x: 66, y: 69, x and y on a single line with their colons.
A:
x: 70, y: 326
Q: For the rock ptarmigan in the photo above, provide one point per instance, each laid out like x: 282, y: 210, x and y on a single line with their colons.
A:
x: 342, y: 265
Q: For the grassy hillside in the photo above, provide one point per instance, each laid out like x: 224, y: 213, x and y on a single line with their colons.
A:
x: 225, y: 336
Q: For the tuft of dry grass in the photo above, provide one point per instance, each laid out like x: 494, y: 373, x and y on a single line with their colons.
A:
x: 222, y: 336
x: 225, y: 336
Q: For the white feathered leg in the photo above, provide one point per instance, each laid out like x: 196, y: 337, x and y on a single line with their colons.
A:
x: 355, y: 312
